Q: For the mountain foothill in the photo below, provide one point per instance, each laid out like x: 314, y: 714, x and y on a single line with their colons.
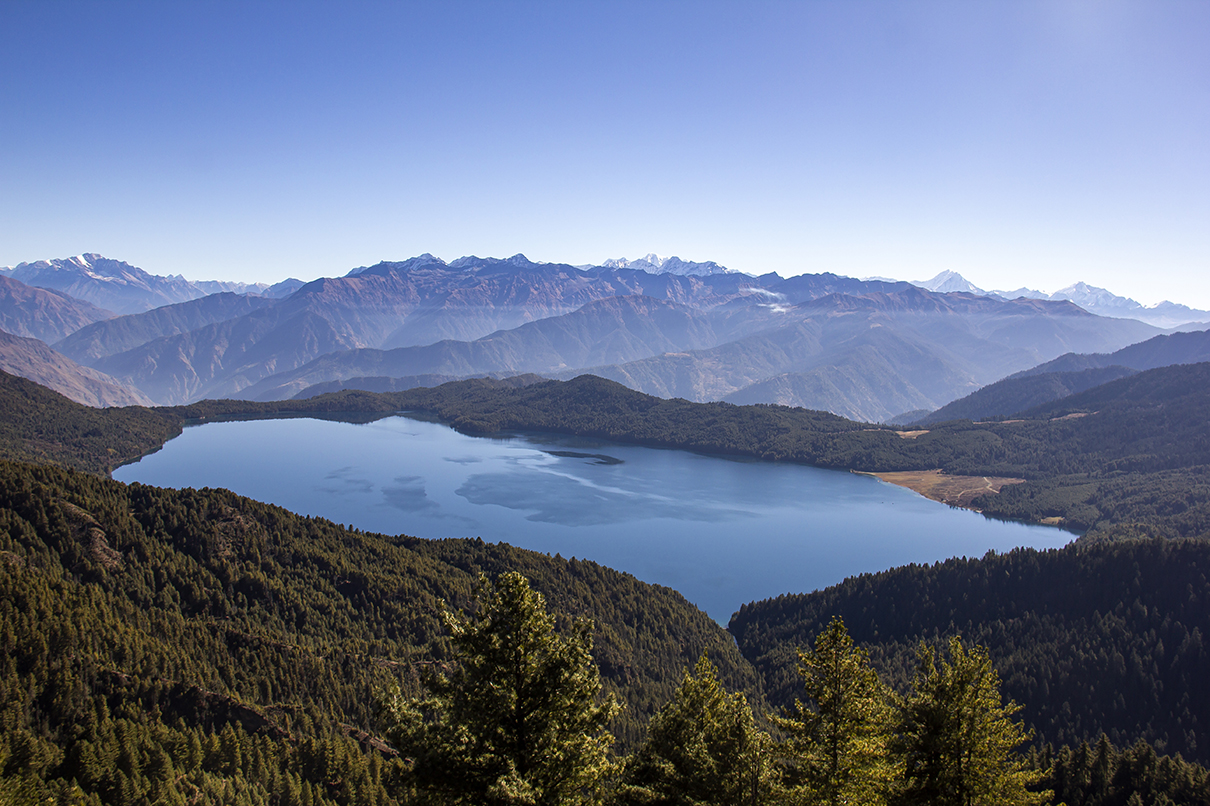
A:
x: 198, y: 646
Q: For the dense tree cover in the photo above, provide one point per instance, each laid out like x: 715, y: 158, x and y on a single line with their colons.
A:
x: 703, y: 747
x: 139, y: 624
x: 518, y: 720
x: 958, y: 742
x: 837, y: 748
x: 38, y: 425
x: 1103, y: 775
x: 197, y: 646
x: 1106, y: 637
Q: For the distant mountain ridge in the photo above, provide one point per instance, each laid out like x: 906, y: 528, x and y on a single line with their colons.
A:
x: 122, y: 288
x: 1096, y: 300
x: 654, y: 264
x: 410, y: 303
x: 869, y: 349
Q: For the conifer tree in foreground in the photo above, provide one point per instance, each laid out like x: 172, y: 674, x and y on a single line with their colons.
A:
x: 958, y: 741
x: 702, y: 747
x: 837, y: 747
x: 517, y: 721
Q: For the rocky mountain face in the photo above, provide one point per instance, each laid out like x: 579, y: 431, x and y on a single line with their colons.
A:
x: 40, y: 313
x: 33, y: 359
x: 109, y: 284
x: 654, y: 264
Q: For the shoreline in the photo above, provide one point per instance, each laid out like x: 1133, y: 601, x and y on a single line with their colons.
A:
x: 956, y: 491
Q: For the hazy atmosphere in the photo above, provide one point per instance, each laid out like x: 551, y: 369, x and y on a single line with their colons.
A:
x: 1032, y: 144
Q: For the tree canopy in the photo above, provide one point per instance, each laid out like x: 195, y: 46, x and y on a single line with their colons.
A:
x: 516, y: 720
x: 837, y: 745
x: 703, y: 747
x: 958, y: 741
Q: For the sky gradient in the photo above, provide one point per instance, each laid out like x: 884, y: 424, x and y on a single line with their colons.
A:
x: 1018, y: 143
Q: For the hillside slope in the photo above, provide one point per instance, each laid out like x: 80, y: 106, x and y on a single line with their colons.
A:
x: 1190, y: 347
x: 1022, y: 392
x: 38, y: 313
x: 1106, y: 637
x: 117, y: 335
x: 33, y: 359
x: 612, y: 329
x: 170, y: 618
x: 873, y: 356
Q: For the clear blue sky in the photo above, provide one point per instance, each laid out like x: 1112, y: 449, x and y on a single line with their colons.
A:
x: 1019, y: 143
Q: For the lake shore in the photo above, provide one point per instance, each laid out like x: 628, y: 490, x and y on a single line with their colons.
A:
x: 957, y: 491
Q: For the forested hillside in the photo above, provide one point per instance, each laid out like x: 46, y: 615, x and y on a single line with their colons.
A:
x: 1012, y: 395
x: 247, y: 640
x: 38, y: 425
x: 1092, y: 638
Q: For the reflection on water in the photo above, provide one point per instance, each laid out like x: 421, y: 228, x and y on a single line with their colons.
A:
x: 720, y: 530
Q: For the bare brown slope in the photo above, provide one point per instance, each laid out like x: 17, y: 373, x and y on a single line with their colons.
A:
x: 32, y: 359
x: 39, y: 313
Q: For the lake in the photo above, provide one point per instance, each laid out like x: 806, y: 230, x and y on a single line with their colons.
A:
x: 721, y: 531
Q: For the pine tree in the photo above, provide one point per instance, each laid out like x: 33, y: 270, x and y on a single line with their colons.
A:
x: 517, y: 720
x: 702, y: 747
x: 837, y: 746
x: 958, y: 741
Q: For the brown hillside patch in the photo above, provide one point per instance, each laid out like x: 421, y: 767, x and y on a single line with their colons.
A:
x: 957, y: 491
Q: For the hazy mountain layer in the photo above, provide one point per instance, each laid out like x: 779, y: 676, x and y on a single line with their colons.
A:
x: 417, y: 302
x: 120, y: 287
x: 117, y: 335
x: 608, y: 330
x: 872, y: 357
x: 1099, y: 301
x: 870, y: 350
x: 106, y: 283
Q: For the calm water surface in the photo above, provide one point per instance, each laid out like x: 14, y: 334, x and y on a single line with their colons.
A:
x: 721, y: 531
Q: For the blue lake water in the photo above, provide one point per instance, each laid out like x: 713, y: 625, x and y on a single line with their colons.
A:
x: 721, y: 531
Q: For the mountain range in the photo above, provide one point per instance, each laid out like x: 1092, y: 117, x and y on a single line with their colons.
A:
x: 119, y: 287
x: 871, y: 350
x: 1100, y: 301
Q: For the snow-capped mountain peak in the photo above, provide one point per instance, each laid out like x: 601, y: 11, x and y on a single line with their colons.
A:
x: 948, y: 282
x: 654, y: 264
